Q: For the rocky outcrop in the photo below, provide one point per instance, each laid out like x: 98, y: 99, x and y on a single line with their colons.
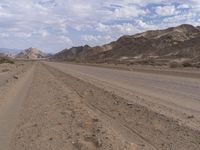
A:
x: 31, y: 53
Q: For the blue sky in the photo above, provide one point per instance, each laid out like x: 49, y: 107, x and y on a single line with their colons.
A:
x: 52, y: 25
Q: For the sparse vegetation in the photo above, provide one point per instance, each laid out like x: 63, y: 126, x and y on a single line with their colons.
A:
x: 187, y: 64
x: 5, y: 60
x: 174, y: 64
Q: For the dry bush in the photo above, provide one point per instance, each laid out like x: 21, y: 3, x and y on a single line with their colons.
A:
x: 187, y: 64
x: 174, y: 64
x: 6, y: 60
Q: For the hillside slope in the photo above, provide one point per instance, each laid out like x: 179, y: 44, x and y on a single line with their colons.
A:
x: 182, y: 42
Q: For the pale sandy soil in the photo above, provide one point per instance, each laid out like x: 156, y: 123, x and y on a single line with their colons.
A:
x: 54, y: 106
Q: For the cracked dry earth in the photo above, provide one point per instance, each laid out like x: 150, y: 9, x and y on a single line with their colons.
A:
x: 57, y: 111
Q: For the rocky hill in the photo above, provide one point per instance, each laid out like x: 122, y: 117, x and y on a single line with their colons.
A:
x: 31, y: 53
x: 182, y: 42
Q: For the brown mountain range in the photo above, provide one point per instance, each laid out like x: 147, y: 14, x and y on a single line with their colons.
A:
x: 155, y: 46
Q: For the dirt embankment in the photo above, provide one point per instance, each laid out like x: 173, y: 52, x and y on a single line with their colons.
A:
x: 63, y: 112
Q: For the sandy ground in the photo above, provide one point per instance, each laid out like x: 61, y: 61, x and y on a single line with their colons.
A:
x: 9, y: 74
x: 10, y: 109
x: 63, y: 106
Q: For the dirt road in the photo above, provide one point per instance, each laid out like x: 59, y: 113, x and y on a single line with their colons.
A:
x: 65, y: 106
x: 178, y: 93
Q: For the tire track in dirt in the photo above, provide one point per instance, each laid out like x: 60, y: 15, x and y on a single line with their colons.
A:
x: 108, y: 116
x: 146, y: 141
x: 101, y: 112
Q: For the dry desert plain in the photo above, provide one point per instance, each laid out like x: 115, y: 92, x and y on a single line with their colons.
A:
x: 60, y: 106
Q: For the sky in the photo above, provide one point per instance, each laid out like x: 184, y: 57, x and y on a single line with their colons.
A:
x: 52, y: 25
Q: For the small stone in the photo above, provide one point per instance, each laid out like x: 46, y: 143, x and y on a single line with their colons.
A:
x: 35, y: 125
x: 51, y: 139
x: 190, y: 117
x: 129, y: 104
x: 116, y: 102
x: 95, y: 120
x: 98, y: 143
x: 137, y: 109
x: 5, y: 70
x: 59, y: 124
x: 15, y: 77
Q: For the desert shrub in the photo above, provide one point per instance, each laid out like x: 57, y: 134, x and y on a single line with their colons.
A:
x: 6, y: 60
x: 146, y: 62
x: 174, y: 64
x: 197, y: 65
x: 186, y: 64
x: 130, y: 63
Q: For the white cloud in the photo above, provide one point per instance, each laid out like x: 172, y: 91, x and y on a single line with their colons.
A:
x: 4, y: 35
x: 183, y: 6
x: 129, y: 12
x: 165, y: 10
x: 65, y: 39
x: 3, y: 14
x: 89, y: 38
x: 180, y: 19
x: 82, y: 27
x: 23, y: 35
x: 102, y: 27
x: 94, y: 40
x: 125, y: 28
x: 44, y: 34
x: 145, y: 26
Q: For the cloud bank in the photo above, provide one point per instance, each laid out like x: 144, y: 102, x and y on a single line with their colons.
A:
x: 52, y: 25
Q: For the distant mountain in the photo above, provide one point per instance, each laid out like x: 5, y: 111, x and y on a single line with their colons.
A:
x: 72, y: 53
x: 31, y: 53
x: 173, y: 43
x: 9, y: 52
